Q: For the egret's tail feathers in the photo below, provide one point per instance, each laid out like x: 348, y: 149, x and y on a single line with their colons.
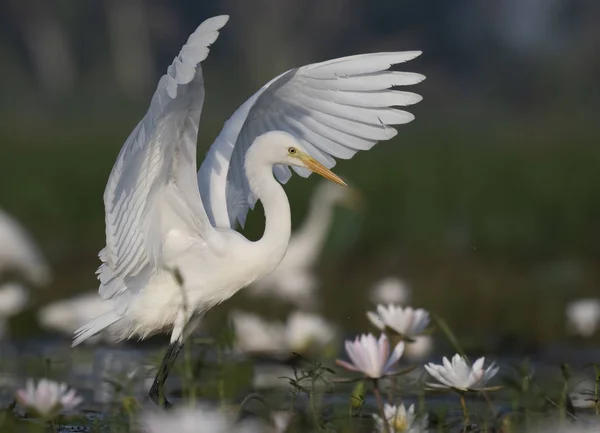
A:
x: 95, y: 326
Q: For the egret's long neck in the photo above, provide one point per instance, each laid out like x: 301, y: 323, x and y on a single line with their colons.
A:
x: 263, y: 185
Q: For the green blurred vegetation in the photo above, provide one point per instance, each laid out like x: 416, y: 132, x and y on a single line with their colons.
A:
x: 493, y: 223
x: 487, y: 204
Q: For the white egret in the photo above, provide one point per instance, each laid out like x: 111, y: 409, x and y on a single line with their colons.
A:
x: 294, y: 279
x: 19, y: 254
x: 68, y: 315
x: 172, y: 251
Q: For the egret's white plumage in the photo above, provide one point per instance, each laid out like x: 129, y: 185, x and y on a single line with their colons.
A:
x: 335, y: 108
x: 294, y: 279
x: 171, y: 249
x: 20, y: 254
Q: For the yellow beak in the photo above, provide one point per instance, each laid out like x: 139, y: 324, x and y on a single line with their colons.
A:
x: 315, y: 166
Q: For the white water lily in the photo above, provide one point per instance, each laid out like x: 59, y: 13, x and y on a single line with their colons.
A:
x: 583, y: 393
x: 371, y: 356
x: 406, y: 321
x: 583, y: 316
x: 48, y: 397
x: 419, y: 349
x: 458, y: 375
x: 198, y: 419
x: 401, y: 420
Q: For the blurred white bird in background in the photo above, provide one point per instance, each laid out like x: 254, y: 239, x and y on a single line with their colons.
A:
x: 583, y: 316
x: 172, y: 251
x: 13, y: 299
x: 19, y: 255
x: 390, y: 290
x: 301, y: 333
x: 255, y: 335
x: 294, y: 280
x: 21, y: 263
x: 67, y: 315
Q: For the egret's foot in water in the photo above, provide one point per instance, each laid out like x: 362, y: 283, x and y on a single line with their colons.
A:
x: 158, y: 397
x: 157, y: 391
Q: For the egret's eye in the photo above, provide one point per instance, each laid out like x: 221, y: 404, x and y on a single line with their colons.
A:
x: 292, y: 150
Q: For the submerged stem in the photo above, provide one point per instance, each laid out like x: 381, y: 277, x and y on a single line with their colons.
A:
x: 221, y: 378
x: 391, y: 391
x: 463, y: 404
x: 489, y: 403
x: 395, y: 339
x: 384, y: 420
x: 250, y: 397
x: 313, y: 408
x: 596, y: 388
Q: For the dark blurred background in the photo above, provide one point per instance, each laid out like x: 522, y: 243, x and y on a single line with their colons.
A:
x: 487, y: 204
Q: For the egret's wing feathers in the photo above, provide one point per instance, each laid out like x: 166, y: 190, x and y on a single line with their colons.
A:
x: 334, y: 108
x: 160, y: 151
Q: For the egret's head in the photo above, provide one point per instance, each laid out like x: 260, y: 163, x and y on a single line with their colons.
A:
x: 283, y: 148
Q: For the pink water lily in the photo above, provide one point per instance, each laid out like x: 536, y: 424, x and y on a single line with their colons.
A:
x: 371, y: 356
x: 458, y: 375
x: 48, y: 397
x: 406, y: 321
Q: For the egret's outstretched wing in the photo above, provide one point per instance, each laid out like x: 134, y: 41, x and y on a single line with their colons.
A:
x: 160, y: 152
x: 335, y: 108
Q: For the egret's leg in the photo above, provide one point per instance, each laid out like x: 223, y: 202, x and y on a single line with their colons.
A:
x: 157, y: 391
x: 181, y: 331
